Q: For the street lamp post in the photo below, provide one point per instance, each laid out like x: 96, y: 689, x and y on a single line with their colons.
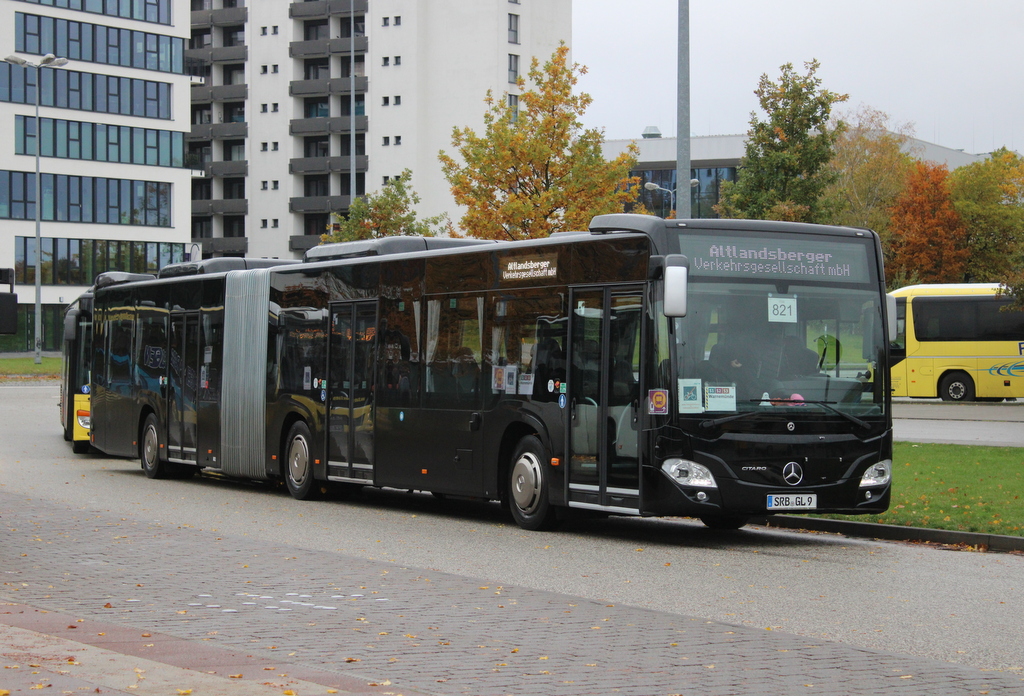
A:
x: 651, y: 186
x: 47, y: 61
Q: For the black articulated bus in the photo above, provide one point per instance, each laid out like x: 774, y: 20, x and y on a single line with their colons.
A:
x: 717, y: 369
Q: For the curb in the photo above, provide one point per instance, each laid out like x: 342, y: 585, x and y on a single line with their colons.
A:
x: 892, y: 532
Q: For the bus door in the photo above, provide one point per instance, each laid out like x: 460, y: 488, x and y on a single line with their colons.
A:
x: 604, y: 398
x: 351, y: 361
x: 183, y: 384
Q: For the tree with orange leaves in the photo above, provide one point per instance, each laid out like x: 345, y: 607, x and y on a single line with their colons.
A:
x: 928, y: 238
x: 535, y: 170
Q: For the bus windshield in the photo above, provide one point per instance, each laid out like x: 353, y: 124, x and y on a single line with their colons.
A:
x: 745, y: 346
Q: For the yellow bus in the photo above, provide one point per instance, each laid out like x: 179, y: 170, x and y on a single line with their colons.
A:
x: 957, y: 343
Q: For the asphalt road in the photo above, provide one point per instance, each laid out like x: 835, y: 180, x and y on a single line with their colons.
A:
x: 902, y: 598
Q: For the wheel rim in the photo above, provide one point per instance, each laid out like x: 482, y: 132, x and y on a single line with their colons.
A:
x: 150, y: 447
x: 298, y: 461
x: 526, y: 483
x: 957, y: 390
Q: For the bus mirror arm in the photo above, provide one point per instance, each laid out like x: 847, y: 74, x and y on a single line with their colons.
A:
x: 890, y: 315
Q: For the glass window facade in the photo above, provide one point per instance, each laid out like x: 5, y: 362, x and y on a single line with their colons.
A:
x: 100, y: 142
x: 152, y: 11
x: 79, y: 261
x: 703, y: 194
x: 81, y: 91
x: 89, y: 199
x: 96, y: 43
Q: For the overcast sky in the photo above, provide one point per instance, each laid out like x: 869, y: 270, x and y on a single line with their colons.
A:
x: 954, y: 69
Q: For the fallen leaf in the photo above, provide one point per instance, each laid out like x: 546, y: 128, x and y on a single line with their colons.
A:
x: 234, y: 676
x: 352, y: 659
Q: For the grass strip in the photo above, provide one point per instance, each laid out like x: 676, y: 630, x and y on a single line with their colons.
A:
x: 963, y: 488
x: 26, y: 367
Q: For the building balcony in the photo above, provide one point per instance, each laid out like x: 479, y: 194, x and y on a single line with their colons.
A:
x: 333, y: 85
x: 204, y: 94
x: 327, y: 125
x: 317, y: 9
x: 222, y: 245
x: 218, y: 131
x: 225, y: 17
x: 229, y: 168
x: 318, y: 48
x: 219, y: 54
x: 221, y: 206
x: 302, y: 242
x: 318, y: 204
x: 326, y: 165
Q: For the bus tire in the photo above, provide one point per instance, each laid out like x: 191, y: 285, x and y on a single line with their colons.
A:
x: 528, y: 486
x: 149, y: 451
x: 724, y: 521
x: 80, y: 446
x: 956, y: 386
x: 298, y: 463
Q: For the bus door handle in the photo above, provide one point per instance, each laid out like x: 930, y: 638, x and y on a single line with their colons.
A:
x: 474, y: 421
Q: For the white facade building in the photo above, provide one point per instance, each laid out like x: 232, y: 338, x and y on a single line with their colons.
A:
x: 113, y: 122
x: 273, y: 124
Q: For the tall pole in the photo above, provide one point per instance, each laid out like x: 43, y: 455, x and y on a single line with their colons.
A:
x: 352, y: 104
x: 39, y: 224
x: 683, y: 115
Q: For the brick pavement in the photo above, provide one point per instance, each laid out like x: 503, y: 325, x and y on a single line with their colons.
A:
x: 195, y: 605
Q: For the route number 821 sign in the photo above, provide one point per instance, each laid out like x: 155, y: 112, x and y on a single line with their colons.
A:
x: 782, y: 310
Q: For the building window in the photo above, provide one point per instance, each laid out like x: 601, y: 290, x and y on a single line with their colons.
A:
x: 263, y: 223
x: 234, y: 188
x: 275, y: 185
x: 317, y: 68
x: 386, y: 62
x: 386, y: 141
x: 100, y: 142
x: 387, y: 21
x: 265, y: 185
x: 386, y: 101
x: 233, y: 36
x: 513, y: 105
x: 275, y: 69
x: 398, y: 100
x: 234, y: 112
x: 234, y: 225
x: 316, y: 185
x: 263, y: 31
x: 513, y: 28
x: 316, y: 30
x: 234, y: 74
x: 398, y: 60
x: 274, y: 107
x: 263, y: 147
x: 513, y: 68
x: 275, y: 223
x: 234, y: 150
x: 398, y: 20
x: 317, y: 146
x: 398, y: 140
x: 263, y: 108
x: 274, y: 146
x: 273, y: 30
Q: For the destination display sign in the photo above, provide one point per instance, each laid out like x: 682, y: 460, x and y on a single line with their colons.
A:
x: 524, y: 268
x: 777, y: 258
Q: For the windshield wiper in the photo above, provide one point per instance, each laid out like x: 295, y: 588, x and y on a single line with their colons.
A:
x: 827, y: 405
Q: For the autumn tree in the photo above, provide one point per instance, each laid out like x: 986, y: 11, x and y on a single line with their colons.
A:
x: 989, y: 196
x: 927, y: 241
x: 783, y: 173
x: 870, y: 168
x: 385, y: 213
x: 535, y: 170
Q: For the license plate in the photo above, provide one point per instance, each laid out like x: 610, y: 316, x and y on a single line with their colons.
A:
x: 805, y: 501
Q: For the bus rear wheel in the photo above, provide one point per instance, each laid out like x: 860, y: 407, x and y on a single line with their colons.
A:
x: 149, y: 451
x: 528, y: 487
x: 956, y: 386
x: 298, y: 463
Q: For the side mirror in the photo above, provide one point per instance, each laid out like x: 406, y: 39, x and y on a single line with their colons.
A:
x: 677, y: 269
x: 890, y: 315
x: 70, y: 325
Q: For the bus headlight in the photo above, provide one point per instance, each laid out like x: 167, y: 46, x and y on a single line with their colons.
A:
x: 689, y: 473
x: 877, y: 474
x: 84, y: 419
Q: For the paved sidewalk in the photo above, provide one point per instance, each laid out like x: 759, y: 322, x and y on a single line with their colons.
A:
x: 165, y: 610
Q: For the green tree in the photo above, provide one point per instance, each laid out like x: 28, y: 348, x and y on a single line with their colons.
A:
x: 989, y: 196
x: 870, y: 167
x: 535, y: 170
x: 386, y: 213
x: 783, y: 174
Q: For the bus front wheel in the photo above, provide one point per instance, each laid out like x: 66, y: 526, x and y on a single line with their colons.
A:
x: 957, y: 386
x: 298, y: 463
x: 528, y: 487
x: 149, y: 451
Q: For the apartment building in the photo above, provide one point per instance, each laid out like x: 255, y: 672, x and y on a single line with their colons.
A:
x: 107, y: 79
x: 304, y: 104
